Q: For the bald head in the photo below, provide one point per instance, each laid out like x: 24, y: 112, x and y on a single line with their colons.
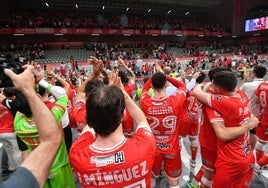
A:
x: 167, y: 70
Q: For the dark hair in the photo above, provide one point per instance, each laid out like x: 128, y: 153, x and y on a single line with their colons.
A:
x: 159, y: 80
x: 10, y: 91
x: 217, y: 69
x: 40, y: 90
x: 259, y: 71
x: 123, y: 77
x: 145, y: 78
x: 226, y: 80
x: 21, y: 104
x: 105, y: 107
x: 201, y: 78
x: 91, y: 85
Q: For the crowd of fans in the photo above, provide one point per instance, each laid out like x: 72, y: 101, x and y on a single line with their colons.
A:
x: 67, y: 19
x: 101, y: 123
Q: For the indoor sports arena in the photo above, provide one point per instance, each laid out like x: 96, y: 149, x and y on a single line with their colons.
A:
x: 192, y: 73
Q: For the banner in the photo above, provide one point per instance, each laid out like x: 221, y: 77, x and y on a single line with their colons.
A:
x: 29, y: 31
x: 66, y: 31
x: 98, y: 31
x: 81, y: 31
x: 6, y: 31
x: 44, y: 30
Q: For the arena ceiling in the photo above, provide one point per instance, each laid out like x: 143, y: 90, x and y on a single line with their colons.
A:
x: 173, y: 7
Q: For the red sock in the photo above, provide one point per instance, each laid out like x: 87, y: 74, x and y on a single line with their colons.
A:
x: 193, y: 152
x: 264, y: 160
x: 259, y: 154
x: 199, y: 175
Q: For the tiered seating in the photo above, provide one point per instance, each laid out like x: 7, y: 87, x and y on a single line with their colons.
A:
x: 53, y: 56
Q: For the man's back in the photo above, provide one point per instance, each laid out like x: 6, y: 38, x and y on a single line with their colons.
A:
x: 117, y: 166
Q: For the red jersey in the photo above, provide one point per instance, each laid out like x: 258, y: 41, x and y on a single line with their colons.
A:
x: 79, y: 115
x: 128, y: 124
x: 234, y: 111
x: 124, y: 165
x: 6, y: 120
x: 129, y: 88
x: 162, y: 116
x: 189, y: 110
x: 207, y: 136
x: 262, y: 94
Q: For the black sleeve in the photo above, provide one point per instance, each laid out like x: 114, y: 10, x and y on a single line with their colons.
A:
x: 22, y: 178
x: 21, y: 144
x: 10, y: 105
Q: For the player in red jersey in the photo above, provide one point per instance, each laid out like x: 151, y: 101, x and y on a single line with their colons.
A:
x: 235, y: 159
x: 93, y: 81
x: 110, y: 159
x: 162, y: 114
x: 208, y: 144
x: 188, y: 121
x: 129, y: 86
x: 261, y: 94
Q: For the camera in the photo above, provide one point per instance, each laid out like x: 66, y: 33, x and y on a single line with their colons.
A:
x: 15, y: 66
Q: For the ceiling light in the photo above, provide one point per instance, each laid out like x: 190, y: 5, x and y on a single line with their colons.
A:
x: 186, y: 13
x: 76, y: 5
x: 103, y: 7
x: 47, y: 4
x: 234, y: 36
x: 169, y: 12
x: 127, y: 9
x: 149, y: 10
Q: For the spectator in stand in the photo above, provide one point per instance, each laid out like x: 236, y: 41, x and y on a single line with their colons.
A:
x: 103, y: 148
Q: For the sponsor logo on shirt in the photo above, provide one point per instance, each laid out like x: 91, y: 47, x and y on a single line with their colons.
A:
x: 106, y: 160
x: 162, y: 145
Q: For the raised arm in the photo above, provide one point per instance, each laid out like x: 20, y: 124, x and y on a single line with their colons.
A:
x: 63, y: 82
x: 201, y: 95
x: 97, y: 69
x: 178, y: 84
x: 130, y: 72
x: 135, y: 112
x: 40, y: 160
